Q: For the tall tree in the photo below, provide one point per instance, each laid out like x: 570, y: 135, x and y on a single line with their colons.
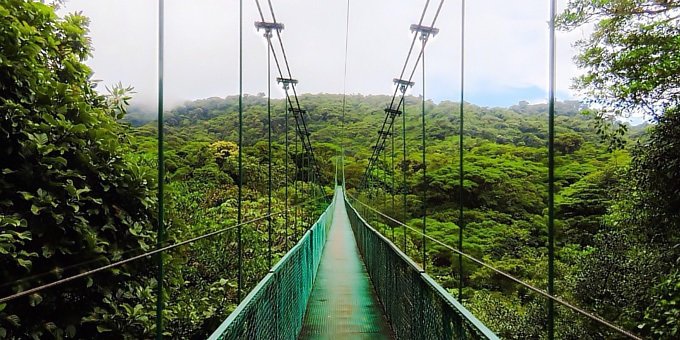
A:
x: 631, y: 60
x: 69, y: 192
x: 631, y: 63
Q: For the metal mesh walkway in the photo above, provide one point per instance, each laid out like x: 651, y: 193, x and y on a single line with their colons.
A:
x: 343, y: 303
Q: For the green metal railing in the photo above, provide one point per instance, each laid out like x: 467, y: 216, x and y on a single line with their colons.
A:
x: 415, y: 305
x: 275, y: 308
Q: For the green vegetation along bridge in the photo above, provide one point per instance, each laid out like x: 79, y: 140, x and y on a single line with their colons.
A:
x: 345, y: 280
x: 76, y: 202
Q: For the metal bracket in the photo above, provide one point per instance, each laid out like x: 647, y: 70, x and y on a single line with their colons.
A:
x: 286, y: 82
x: 424, y: 31
x: 392, y: 112
x: 297, y: 112
x: 268, y: 27
x: 403, y: 84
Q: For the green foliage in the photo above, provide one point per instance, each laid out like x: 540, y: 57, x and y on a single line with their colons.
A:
x: 76, y: 186
x: 631, y: 59
x: 662, y: 318
x: 70, y: 193
x: 631, y: 62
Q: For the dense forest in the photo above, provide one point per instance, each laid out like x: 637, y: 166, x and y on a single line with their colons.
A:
x: 78, y: 188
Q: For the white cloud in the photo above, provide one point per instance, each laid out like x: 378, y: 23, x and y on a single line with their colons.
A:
x: 506, y: 46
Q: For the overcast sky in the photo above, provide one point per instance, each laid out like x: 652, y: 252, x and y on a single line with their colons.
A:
x: 506, y: 48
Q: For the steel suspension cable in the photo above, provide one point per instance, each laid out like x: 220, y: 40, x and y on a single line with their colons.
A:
x: 276, y: 59
x: 461, y: 221
x: 297, y: 193
x: 269, y: 148
x: 381, y: 142
x: 394, y: 212
x: 401, y: 75
x: 402, y: 103
x: 541, y: 292
x: 301, y: 123
x: 286, y: 162
x: 344, y: 95
x: 384, y: 180
x: 161, y: 174
x: 424, y: 204
x: 302, y: 185
x: 551, y: 173
x: 240, y: 153
x: 404, y: 166
x: 301, y: 127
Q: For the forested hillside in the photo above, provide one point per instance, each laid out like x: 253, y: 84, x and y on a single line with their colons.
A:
x: 80, y: 200
x: 504, y: 192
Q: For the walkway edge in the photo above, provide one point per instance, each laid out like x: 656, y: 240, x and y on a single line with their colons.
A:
x: 429, y: 311
x: 292, y: 279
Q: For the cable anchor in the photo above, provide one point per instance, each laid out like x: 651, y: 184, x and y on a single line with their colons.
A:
x: 425, y: 31
x: 403, y: 84
x: 268, y: 27
x: 286, y: 82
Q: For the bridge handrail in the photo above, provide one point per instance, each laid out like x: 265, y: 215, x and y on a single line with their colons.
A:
x: 436, y: 316
x: 263, y: 313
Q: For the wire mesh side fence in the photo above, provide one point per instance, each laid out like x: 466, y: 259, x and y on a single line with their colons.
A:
x: 275, y: 308
x: 572, y: 322
x: 199, y: 264
x: 415, y: 305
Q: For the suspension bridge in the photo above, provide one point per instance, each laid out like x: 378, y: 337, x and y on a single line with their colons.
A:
x: 344, y: 278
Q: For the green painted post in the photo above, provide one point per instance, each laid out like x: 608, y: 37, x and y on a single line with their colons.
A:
x: 160, y: 237
x: 461, y: 221
x: 551, y: 175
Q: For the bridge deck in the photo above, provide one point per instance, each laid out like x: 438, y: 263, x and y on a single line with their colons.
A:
x: 343, y: 303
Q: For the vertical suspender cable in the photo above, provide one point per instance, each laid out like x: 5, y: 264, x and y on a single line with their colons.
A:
x: 285, y: 101
x: 551, y: 174
x: 297, y: 193
x: 404, y: 166
x: 394, y: 213
x: 310, y: 186
x: 240, y: 153
x: 461, y: 221
x: 303, y: 210
x: 424, y: 207
x: 269, y: 148
x: 384, y: 182
x: 344, y: 97
x: 161, y: 176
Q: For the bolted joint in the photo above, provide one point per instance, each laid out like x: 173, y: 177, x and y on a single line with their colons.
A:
x: 392, y: 112
x: 403, y: 84
x: 268, y: 27
x: 296, y: 111
x: 286, y: 82
x: 425, y: 31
